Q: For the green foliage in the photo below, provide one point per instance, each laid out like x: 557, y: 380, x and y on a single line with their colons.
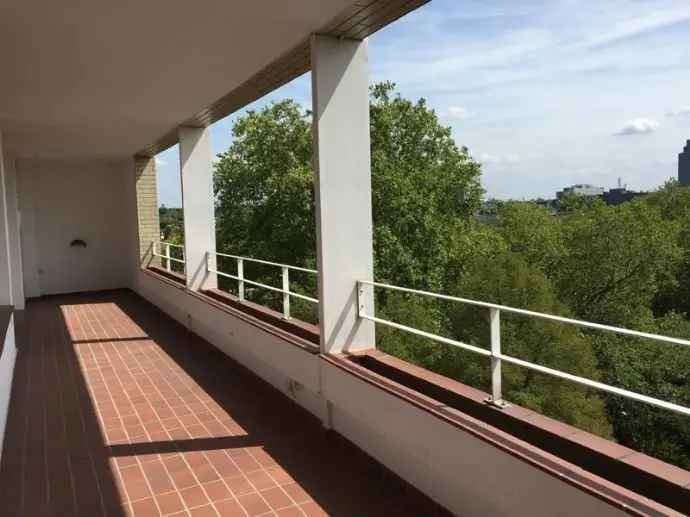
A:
x: 571, y: 203
x: 673, y: 201
x: 531, y: 231
x: 424, y: 188
x: 172, y: 231
x: 616, y: 260
x: 491, y: 207
x: 420, y: 313
x: 171, y: 224
x: 264, y: 187
x: 656, y: 369
x: 510, y: 280
x: 627, y: 265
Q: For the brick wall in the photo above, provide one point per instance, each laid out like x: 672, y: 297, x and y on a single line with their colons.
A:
x: 147, y: 207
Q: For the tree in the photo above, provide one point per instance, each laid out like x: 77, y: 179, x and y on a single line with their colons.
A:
x: 627, y: 265
x: 656, y: 369
x: 615, y: 261
x: 510, y: 280
x: 416, y: 312
x: 264, y: 187
x: 424, y: 188
x: 533, y: 232
x: 570, y: 203
x: 172, y: 232
x: 171, y: 224
x: 673, y: 202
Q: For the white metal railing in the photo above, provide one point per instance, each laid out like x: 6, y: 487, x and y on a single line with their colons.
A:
x: 497, y: 357
x: 241, y: 280
x: 158, y: 247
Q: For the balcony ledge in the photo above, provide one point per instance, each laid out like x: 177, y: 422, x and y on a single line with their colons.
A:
x: 617, y: 476
x: 621, y: 476
x: 294, y: 326
x: 294, y: 332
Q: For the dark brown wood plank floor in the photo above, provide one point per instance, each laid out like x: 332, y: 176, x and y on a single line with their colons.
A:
x: 117, y: 410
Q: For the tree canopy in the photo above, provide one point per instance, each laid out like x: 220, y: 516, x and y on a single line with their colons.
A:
x: 627, y: 265
x: 424, y: 188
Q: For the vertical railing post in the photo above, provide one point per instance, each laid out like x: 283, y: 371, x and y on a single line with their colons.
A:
x: 495, y: 330
x: 240, y: 275
x: 286, y: 292
x: 167, y: 257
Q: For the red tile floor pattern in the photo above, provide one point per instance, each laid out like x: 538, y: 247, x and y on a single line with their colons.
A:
x: 117, y: 410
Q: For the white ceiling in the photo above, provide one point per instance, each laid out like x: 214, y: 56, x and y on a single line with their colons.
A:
x: 104, y: 78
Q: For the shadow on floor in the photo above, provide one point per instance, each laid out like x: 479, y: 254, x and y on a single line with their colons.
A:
x: 56, y: 461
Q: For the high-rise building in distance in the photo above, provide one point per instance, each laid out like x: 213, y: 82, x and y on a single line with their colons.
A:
x: 684, y: 166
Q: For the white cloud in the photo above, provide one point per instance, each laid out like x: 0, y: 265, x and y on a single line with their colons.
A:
x: 457, y: 112
x: 488, y: 158
x: 638, y: 126
x: 648, y: 21
x: 160, y: 162
x: 683, y: 111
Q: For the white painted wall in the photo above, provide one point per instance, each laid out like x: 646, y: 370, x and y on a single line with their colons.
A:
x: 267, y: 355
x: 61, y: 201
x: 7, y: 360
x: 467, y: 475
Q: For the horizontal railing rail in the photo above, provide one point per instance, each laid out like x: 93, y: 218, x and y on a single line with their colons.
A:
x: 497, y: 357
x: 242, y: 280
x: 159, y: 246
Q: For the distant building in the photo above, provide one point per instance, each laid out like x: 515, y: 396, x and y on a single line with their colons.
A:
x: 581, y: 190
x: 684, y: 166
x: 617, y: 196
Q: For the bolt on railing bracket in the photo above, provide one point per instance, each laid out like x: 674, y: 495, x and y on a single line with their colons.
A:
x: 360, y: 299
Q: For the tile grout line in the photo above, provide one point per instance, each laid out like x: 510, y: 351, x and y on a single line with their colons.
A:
x: 93, y: 398
x: 181, y: 455
x: 58, y: 379
x: 119, y: 414
x: 140, y: 463
x: 92, y: 462
x: 260, y: 466
x: 98, y: 370
x: 171, y: 369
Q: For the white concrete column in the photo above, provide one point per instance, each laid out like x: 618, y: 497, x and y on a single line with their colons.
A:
x: 196, y: 171
x: 342, y: 163
x: 6, y: 295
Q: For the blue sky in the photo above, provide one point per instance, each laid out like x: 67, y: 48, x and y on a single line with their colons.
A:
x: 545, y: 93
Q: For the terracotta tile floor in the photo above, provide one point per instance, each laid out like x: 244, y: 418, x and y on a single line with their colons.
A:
x: 117, y: 410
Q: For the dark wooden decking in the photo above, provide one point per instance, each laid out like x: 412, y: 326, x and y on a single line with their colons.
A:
x: 117, y: 410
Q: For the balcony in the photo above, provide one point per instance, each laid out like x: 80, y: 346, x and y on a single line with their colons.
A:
x: 132, y: 383
x: 118, y: 410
